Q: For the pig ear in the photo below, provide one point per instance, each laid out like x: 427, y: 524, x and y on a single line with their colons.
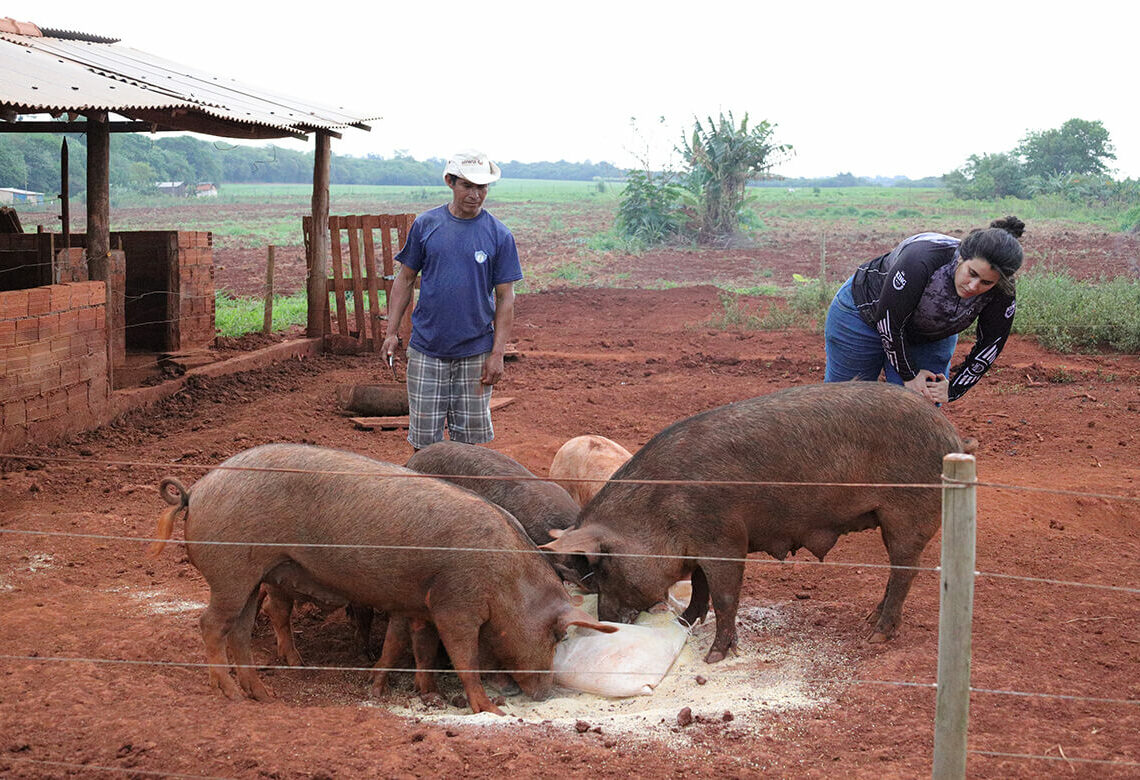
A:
x: 575, y: 541
x: 555, y: 533
x: 580, y: 617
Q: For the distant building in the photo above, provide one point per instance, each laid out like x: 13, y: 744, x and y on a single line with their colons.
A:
x: 206, y: 190
x: 13, y: 195
x: 171, y: 187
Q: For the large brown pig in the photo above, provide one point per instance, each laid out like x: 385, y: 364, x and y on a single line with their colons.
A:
x: 341, y: 527
x: 539, y: 506
x: 583, y: 464
x: 852, y: 432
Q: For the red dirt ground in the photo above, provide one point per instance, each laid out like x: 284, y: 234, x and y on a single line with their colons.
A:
x: 624, y: 363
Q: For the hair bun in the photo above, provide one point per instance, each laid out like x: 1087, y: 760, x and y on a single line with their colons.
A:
x: 1012, y: 225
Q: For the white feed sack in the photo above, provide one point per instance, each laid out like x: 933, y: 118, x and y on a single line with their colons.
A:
x: 629, y: 662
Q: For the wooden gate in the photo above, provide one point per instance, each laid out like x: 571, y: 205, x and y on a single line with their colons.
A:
x: 363, y: 278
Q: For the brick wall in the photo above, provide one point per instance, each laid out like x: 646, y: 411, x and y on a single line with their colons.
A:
x: 53, y: 361
x: 194, y: 264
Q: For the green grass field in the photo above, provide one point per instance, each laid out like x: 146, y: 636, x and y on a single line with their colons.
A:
x: 1064, y: 313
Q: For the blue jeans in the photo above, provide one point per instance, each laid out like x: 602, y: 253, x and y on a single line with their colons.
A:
x: 855, y: 351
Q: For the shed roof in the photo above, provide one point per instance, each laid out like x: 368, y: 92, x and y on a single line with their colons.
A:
x: 56, y: 72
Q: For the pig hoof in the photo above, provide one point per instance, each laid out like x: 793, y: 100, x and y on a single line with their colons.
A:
x: 225, y: 685
x: 488, y: 707
x: 877, y: 638
x: 432, y: 700
x: 293, y: 659
x: 260, y: 693
x: 425, y: 683
x: 714, y: 656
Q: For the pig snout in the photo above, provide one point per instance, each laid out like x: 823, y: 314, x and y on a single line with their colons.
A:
x: 538, y: 686
x: 612, y: 610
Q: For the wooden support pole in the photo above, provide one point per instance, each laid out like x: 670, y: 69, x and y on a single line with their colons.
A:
x: 65, y: 195
x: 955, y: 616
x: 267, y: 323
x: 99, y: 225
x: 98, y: 197
x: 319, y: 261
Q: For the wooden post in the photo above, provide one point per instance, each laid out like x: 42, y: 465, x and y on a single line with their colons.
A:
x: 64, y: 195
x: 319, y: 262
x: 98, y: 197
x: 99, y: 223
x: 267, y: 323
x: 955, y: 617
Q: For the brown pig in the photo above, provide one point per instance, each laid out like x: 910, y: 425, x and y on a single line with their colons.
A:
x: 593, y: 458
x: 852, y: 432
x: 341, y: 527
x: 540, y: 506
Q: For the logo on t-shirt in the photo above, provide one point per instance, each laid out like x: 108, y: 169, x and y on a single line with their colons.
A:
x: 480, y: 257
x: 899, y: 281
x: 1009, y: 312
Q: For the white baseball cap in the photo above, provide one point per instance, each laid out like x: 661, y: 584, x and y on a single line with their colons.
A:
x: 474, y: 166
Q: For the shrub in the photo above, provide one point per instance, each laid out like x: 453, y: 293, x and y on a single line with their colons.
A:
x: 1073, y: 316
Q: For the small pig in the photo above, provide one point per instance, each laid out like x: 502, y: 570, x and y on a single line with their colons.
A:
x: 591, y: 457
x: 852, y: 432
x: 343, y: 528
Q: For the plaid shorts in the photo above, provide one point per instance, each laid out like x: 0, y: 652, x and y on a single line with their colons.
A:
x: 448, y: 391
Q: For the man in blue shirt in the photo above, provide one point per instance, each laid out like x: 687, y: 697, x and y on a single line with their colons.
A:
x: 468, y: 265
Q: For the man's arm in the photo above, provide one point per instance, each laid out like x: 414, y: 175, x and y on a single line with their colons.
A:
x: 402, y: 287
x: 504, y: 320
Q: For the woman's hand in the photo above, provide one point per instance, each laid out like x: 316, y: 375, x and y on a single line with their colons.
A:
x: 933, y: 387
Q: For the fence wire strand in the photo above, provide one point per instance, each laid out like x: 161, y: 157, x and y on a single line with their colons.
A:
x: 1068, y: 759
x: 710, y: 674
x: 434, y: 548
x: 945, y: 481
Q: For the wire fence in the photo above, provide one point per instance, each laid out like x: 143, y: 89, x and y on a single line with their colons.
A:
x: 84, y: 462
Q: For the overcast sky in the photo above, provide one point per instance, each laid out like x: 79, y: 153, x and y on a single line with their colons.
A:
x: 876, y: 88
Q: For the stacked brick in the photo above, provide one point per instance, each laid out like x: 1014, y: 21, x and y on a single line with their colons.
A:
x: 193, y: 267
x: 53, y: 360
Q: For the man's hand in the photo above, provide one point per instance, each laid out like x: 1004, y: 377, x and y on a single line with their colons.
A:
x: 388, y: 348
x: 492, y: 369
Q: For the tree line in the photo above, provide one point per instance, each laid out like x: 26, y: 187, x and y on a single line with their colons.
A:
x: 138, y: 161
x: 1071, y: 161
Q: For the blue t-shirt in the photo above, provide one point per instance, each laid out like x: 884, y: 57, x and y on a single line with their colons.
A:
x: 460, y: 262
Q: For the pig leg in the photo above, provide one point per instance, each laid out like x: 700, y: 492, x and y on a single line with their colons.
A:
x: 361, y: 618
x: 698, y: 608
x: 277, y: 603
x: 724, y: 579
x: 425, y: 648
x: 396, y: 640
x: 887, y: 616
x: 238, y: 643
x: 216, y: 622
x: 460, y: 634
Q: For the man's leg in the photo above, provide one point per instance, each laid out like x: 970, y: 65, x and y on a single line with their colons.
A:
x: 469, y: 413
x: 854, y: 349
x: 427, y: 398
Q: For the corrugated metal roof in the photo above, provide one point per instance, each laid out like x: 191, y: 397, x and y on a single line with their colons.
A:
x: 53, y: 75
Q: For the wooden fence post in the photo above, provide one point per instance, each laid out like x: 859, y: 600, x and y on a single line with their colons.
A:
x: 955, y: 617
x: 267, y: 323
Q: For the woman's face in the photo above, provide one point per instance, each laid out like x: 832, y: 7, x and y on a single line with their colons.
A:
x: 974, y: 277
